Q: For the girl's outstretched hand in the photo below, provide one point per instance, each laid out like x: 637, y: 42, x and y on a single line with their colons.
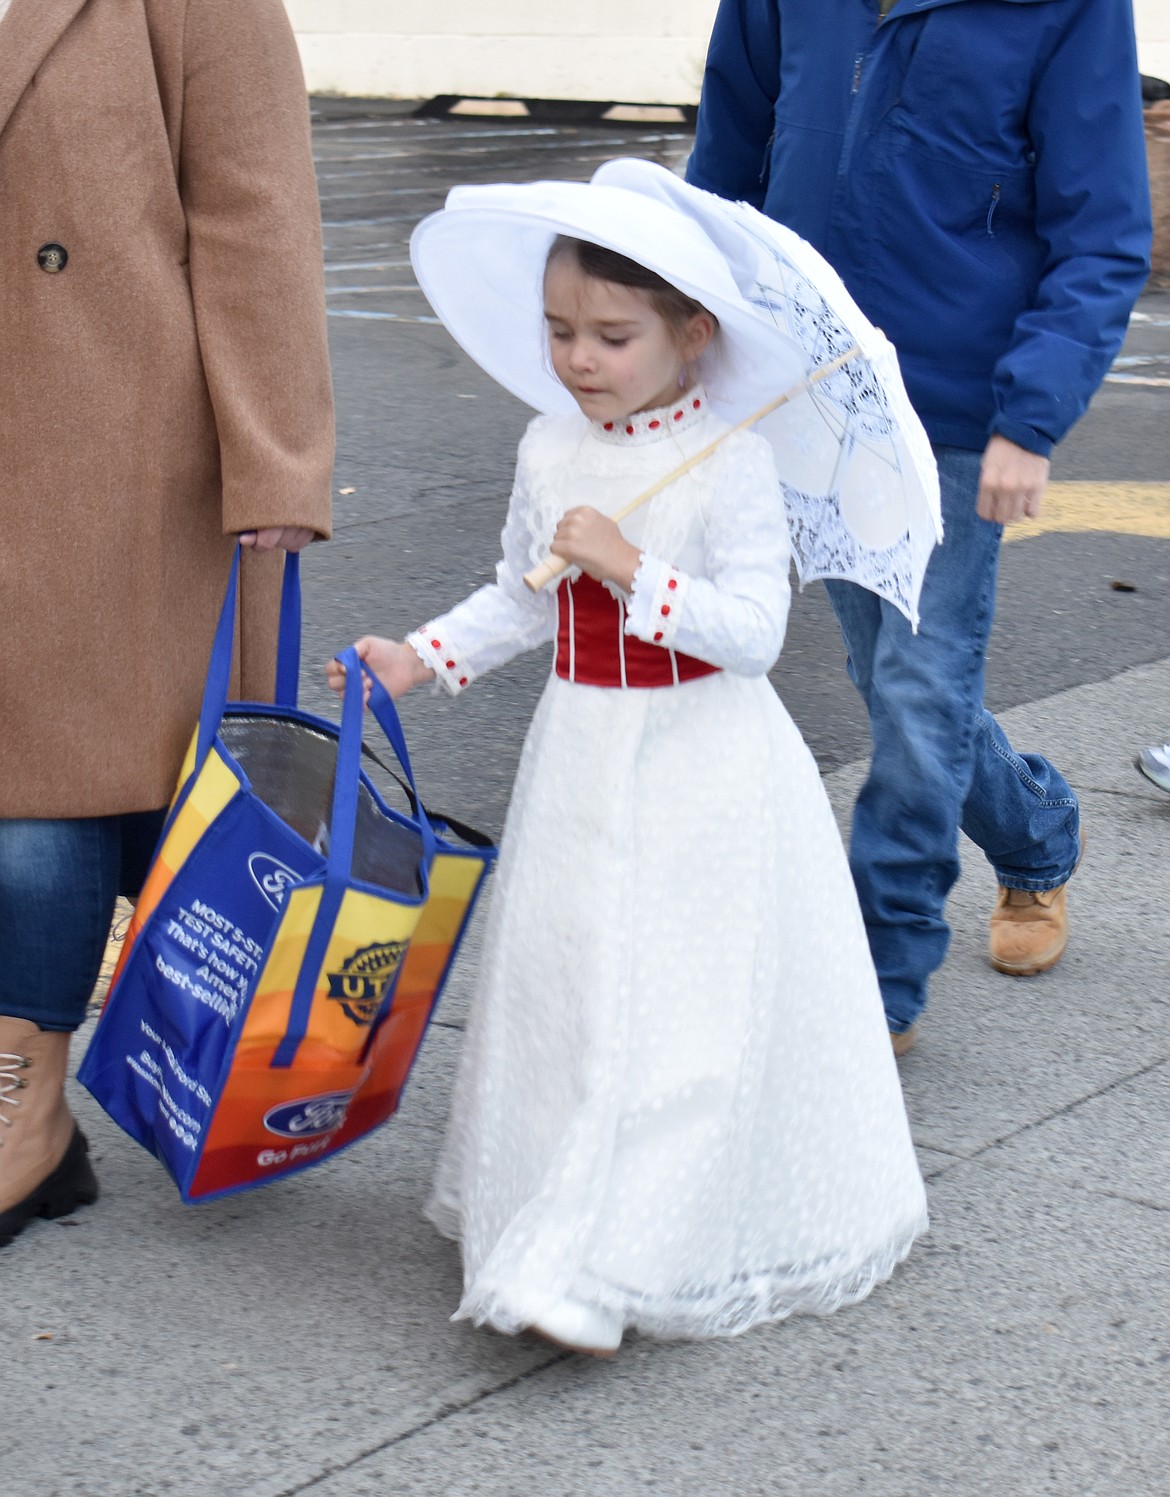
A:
x: 592, y: 541
x: 395, y: 664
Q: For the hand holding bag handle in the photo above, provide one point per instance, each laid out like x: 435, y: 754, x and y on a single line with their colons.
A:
x: 215, y: 697
x: 343, y: 820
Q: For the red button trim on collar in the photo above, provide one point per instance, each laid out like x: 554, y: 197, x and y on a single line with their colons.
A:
x: 463, y: 680
x: 678, y: 415
x: 450, y: 665
x: 673, y: 583
x: 436, y: 644
x: 665, y: 610
x: 654, y: 425
x: 608, y: 426
x: 696, y: 404
x: 629, y: 431
x: 658, y: 636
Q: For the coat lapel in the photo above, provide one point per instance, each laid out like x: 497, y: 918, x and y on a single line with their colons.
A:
x: 31, y: 29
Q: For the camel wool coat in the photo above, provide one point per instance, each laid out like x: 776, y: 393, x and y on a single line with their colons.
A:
x: 164, y: 377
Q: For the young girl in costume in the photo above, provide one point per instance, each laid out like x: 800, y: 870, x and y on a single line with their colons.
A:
x: 677, y: 1108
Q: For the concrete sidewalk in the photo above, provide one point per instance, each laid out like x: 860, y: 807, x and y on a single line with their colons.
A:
x: 296, y: 1340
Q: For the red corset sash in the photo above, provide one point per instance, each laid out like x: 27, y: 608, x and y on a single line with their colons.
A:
x: 594, y: 649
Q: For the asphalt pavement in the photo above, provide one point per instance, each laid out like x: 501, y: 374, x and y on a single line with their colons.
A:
x: 296, y: 1339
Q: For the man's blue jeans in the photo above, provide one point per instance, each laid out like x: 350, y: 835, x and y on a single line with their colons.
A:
x: 940, y: 760
x: 58, y: 884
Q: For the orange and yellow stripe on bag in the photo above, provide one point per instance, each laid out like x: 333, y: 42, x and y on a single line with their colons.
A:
x: 454, y: 880
x: 210, y: 794
x: 270, y: 1118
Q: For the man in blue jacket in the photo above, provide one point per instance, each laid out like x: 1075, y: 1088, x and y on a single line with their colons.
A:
x: 975, y: 170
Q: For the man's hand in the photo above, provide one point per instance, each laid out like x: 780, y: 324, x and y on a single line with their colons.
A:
x: 1011, y: 482
x: 592, y: 541
x: 278, y: 537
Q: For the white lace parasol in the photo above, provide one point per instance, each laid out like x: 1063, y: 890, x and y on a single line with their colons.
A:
x: 859, y: 477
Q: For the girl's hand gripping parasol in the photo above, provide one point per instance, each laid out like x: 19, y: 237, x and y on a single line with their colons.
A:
x: 553, y: 566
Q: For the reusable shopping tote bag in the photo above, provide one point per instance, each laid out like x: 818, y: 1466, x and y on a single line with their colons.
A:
x: 291, y: 940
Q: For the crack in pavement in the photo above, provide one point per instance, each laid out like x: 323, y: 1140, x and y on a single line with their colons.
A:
x: 446, y: 1404
x: 1040, y: 1122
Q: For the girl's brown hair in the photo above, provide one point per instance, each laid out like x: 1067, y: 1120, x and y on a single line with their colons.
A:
x: 672, y: 305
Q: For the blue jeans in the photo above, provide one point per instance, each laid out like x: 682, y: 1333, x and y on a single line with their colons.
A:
x: 58, y: 884
x: 940, y: 760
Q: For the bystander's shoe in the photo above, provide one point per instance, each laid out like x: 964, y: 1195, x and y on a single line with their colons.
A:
x: 904, y: 1040
x: 44, y: 1158
x: 1154, y: 763
x: 1029, y: 928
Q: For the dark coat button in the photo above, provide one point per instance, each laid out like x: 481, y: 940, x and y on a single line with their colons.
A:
x: 52, y: 258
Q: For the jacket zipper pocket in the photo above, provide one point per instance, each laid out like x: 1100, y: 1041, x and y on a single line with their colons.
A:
x: 991, y: 207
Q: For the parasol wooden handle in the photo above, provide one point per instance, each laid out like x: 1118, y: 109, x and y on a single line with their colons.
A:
x: 551, y: 567
x: 545, y: 572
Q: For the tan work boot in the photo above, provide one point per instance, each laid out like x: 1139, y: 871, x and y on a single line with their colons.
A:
x: 1029, y: 928
x: 904, y: 1040
x: 44, y: 1163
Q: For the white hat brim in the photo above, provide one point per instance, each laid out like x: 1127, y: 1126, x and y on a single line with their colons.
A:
x: 481, y: 259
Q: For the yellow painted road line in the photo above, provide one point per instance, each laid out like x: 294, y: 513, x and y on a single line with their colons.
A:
x: 1124, y: 508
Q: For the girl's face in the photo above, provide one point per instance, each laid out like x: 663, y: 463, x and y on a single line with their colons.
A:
x: 610, y: 349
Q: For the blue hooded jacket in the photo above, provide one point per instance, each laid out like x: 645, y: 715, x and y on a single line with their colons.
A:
x: 974, y: 169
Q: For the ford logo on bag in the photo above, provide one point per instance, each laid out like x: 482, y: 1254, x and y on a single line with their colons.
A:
x: 309, y: 1115
x: 272, y: 877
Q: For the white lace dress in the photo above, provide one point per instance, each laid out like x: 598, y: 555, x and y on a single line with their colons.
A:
x: 677, y: 1098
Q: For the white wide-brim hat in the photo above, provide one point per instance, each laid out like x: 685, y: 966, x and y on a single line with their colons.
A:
x: 481, y: 262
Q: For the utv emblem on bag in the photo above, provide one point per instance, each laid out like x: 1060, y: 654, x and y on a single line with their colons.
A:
x: 272, y: 877
x: 309, y: 1115
x: 361, y: 984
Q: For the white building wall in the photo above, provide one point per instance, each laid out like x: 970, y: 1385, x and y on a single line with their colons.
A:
x: 629, y: 51
x: 1152, y: 19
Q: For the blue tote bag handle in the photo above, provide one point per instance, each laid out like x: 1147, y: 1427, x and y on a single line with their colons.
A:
x: 288, y: 648
x: 349, y: 753
x: 219, y: 670
x: 349, y: 748
x: 339, y: 868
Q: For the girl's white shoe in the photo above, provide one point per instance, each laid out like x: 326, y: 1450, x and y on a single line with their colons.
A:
x: 583, y: 1328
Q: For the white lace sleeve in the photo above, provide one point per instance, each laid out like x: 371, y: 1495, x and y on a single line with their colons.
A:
x: 734, y: 616
x: 501, y: 620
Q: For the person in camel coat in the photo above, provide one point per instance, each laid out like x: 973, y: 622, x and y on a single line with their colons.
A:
x: 164, y: 387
